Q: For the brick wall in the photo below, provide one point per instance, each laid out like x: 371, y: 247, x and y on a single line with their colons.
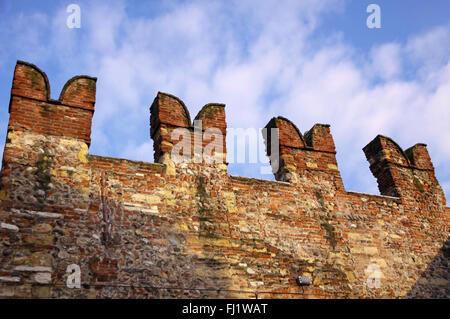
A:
x: 190, y: 230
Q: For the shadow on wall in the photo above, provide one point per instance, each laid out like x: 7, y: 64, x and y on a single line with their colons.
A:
x: 435, y: 280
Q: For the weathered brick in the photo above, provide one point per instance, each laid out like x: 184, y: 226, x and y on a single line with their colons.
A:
x: 130, y: 224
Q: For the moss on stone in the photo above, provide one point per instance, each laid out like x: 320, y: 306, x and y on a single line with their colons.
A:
x: 210, y: 111
x: 330, y: 232
x: 418, y: 185
x: 319, y: 197
x: 43, y: 166
x: 35, y: 80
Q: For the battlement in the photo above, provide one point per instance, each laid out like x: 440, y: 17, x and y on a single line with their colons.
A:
x: 169, y: 113
x: 309, y: 156
x: 32, y: 109
x: 407, y: 174
x: 177, y: 229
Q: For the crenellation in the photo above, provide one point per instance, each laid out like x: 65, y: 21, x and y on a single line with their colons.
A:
x: 79, y: 91
x: 310, y: 157
x: 32, y: 110
x: 189, y: 229
x: 406, y: 174
x: 30, y: 82
x: 320, y: 139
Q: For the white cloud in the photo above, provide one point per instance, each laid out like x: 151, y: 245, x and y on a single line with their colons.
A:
x: 430, y: 50
x: 256, y: 57
x: 142, y: 152
x: 386, y: 60
x: 446, y: 188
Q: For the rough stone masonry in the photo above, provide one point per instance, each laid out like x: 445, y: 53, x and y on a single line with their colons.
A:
x: 190, y: 230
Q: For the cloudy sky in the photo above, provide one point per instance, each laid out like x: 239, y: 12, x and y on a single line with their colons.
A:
x: 311, y: 61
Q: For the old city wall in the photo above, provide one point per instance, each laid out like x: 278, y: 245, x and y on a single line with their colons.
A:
x: 174, y: 230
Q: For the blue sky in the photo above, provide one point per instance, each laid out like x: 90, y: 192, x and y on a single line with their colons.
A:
x: 311, y: 61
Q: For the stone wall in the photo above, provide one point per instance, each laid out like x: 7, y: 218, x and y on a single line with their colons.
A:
x: 190, y: 230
